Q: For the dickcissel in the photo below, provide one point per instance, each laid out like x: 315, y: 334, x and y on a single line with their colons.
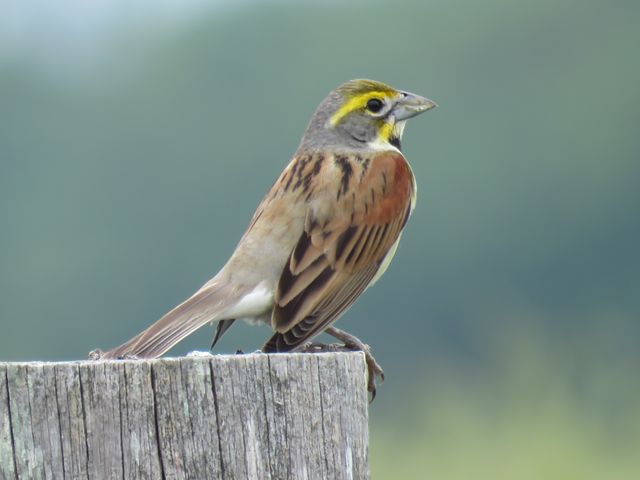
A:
x: 324, y: 233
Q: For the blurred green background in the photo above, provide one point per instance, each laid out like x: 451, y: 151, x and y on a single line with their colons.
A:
x: 137, y: 139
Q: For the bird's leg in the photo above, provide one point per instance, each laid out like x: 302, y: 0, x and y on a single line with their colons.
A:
x: 354, y: 343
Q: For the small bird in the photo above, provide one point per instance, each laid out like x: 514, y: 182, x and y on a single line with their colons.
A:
x: 324, y: 233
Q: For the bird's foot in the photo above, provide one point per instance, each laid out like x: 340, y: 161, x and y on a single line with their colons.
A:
x: 353, y: 343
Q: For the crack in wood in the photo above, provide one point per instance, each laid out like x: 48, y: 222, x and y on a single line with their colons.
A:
x: 215, y: 406
x: 10, y: 419
x: 299, y: 415
x: 155, y: 421
x: 84, y: 420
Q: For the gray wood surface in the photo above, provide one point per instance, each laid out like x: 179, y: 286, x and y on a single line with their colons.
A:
x: 254, y: 416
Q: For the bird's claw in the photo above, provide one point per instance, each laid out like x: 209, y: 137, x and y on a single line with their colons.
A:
x: 373, y: 367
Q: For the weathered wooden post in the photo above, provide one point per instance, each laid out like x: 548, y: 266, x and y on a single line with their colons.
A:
x: 254, y: 416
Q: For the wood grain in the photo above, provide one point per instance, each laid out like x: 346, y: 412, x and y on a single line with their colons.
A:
x: 255, y: 416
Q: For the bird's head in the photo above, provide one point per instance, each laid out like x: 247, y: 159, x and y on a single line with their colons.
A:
x: 363, y: 114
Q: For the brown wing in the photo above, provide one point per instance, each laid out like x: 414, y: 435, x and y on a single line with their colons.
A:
x: 354, y: 220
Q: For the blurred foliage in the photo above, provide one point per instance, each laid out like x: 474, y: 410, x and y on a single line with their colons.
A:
x: 127, y: 176
x: 533, y: 414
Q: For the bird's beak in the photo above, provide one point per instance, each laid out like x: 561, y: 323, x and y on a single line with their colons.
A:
x: 411, y: 105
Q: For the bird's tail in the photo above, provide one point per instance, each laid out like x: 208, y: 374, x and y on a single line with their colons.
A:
x: 206, y: 305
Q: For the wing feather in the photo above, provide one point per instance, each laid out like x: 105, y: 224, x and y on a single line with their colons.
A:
x: 342, y: 246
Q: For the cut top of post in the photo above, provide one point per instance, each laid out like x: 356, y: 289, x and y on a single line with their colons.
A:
x: 249, y: 416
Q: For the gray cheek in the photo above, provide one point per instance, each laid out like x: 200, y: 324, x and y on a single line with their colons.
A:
x: 360, y: 129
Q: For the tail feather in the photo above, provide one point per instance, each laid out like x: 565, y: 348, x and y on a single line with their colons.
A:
x: 206, y: 305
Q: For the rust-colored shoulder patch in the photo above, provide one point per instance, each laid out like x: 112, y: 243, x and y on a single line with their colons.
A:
x: 386, y: 189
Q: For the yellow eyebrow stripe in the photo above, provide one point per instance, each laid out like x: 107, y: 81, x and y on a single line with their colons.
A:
x: 355, y: 103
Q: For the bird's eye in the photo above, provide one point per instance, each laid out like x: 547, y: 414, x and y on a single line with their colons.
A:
x: 374, y: 105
